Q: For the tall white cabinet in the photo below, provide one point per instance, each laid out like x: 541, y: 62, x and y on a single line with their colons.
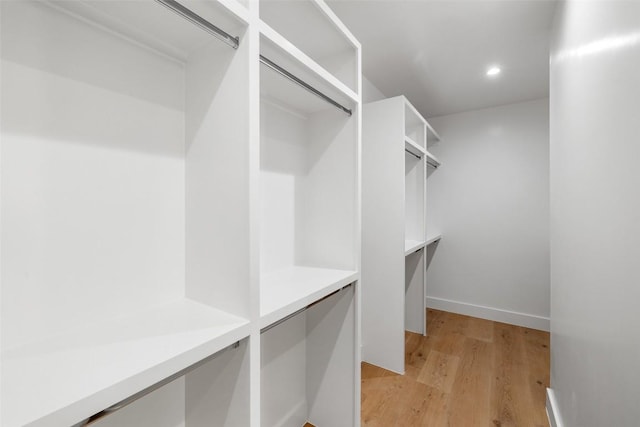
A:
x: 394, y: 234
x: 180, y: 214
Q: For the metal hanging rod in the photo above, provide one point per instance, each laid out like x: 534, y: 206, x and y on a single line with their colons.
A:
x: 432, y: 163
x: 116, y: 407
x: 413, y: 154
x: 275, y: 67
x: 295, y: 313
x: 199, y: 21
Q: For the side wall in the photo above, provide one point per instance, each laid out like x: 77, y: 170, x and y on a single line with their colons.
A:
x: 595, y: 214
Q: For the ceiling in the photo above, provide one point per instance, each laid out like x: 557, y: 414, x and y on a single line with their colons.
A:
x: 436, y: 53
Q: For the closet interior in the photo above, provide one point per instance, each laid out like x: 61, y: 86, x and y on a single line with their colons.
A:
x: 180, y: 214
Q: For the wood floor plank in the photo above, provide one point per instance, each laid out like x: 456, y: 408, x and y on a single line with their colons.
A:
x: 470, y: 400
x: 466, y: 372
x: 439, y: 371
x: 537, y: 355
x: 415, y: 354
x: 479, y: 329
x: 437, y: 411
x: 512, y: 400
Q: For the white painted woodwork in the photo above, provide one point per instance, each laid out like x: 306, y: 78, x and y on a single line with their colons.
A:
x: 163, y: 197
x: 394, y: 235
x: 434, y: 160
x: 329, y: 44
x: 309, y: 232
x: 286, y: 291
x: 383, y: 234
x: 308, y: 366
x: 410, y: 246
x: 433, y: 238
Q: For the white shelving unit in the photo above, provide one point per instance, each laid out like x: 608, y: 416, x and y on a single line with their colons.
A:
x: 164, y: 200
x: 309, y: 218
x: 394, y: 228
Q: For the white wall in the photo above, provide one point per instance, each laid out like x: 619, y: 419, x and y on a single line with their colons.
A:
x: 370, y: 93
x: 595, y: 213
x: 490, y: 200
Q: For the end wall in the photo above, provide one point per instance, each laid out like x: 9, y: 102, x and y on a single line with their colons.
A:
x: 490, y: 200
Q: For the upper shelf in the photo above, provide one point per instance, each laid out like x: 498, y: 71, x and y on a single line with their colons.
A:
x: 286, y: 291
x: 289, y: 94
x: 414, y: 148
x: 155, y: 26
x: 67, y: 378
x: 318, y: 33
x: 432, y: 160
x: 432, y: 239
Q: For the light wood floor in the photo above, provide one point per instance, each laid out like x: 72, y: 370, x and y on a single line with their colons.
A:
x: 467, y: 372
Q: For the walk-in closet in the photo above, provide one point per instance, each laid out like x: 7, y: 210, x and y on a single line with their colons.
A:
x: 319, y: 213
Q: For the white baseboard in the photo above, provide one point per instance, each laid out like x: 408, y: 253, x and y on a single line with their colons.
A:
x: 490, y: 313
x: 553, y: 412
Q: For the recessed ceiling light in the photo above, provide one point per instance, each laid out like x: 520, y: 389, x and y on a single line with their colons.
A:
x: 493, y: 71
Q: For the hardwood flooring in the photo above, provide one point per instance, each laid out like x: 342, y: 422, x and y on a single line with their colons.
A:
x: 467, y: 372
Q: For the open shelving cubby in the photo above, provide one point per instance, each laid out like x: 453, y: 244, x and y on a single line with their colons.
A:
x: 124, y: 210
x: 309, y: 189
x: 315, y: 33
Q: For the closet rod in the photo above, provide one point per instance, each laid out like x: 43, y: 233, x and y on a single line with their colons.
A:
x: 295, y: 313
x: 275, y: 67
x: 117, y: 406
x: 413, y: 154
x: 198, y: 20
x: 432, y: 164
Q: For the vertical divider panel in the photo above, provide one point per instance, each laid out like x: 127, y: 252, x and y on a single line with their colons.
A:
x: 414, y: 292
x: 330, y: 353
x: 253, y: 41
x: 217, y: 177
x: 383, y: 228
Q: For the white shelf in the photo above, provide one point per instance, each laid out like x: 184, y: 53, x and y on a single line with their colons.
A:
x: 318, y: 33
x: 278, y: 49
x: 151, y: 25
x: 410, y: 246
x: 69, y: 377
x: 286, y: 291
x: 411, y: 145
x: 433, y: 239
x: 434, y: 159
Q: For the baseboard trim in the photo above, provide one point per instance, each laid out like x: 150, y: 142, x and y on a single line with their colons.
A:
x: 490, y: 313
x: 553, y: 412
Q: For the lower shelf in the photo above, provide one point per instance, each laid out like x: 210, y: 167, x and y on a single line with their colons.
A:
x: 433, y: 239
x: 410, y: 246
x: 70, y: 377
x: 286, y: 291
